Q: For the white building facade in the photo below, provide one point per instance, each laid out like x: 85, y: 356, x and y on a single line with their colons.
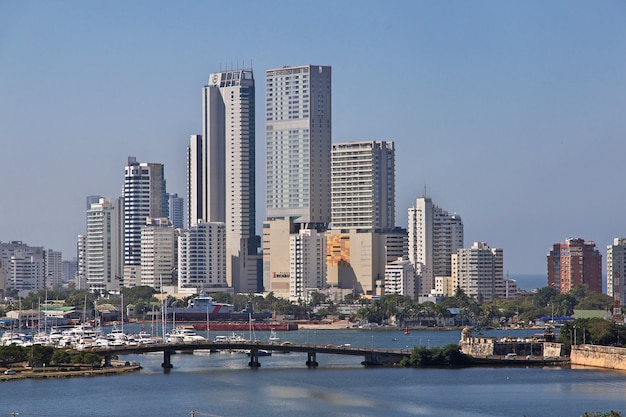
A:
x: 400, y: 278
x: 298, y: 150
x: 202, y: 257
x: 434, y: 235
x: 23, y: 267
x: 615, y: 270
x: 307, y: 258
x: 103, y: 259
x: 479, y: 271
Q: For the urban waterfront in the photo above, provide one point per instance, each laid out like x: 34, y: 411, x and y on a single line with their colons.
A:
x: 220, y: 384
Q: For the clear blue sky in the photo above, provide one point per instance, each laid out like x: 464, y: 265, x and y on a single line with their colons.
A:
x: 511, y: 113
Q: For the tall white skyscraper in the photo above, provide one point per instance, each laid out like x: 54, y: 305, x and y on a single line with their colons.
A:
x: 298, y: 133
x: 103, y: 261
x: 615, y: 271
x: 363, y: 185
x: 434, y: 235
x: 221, y: 172
x: 144, y: 196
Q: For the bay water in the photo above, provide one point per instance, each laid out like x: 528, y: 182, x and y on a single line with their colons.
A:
x: 219, y: 384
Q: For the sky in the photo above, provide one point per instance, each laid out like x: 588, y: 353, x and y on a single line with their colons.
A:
x: 510, y: 114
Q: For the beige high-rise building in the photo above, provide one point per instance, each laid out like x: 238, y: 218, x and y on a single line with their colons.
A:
x: 158, y: 253
x: 298, y: 148
x: 356, y: 258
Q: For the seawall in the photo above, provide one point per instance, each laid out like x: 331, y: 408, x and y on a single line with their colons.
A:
x: 599, y: 356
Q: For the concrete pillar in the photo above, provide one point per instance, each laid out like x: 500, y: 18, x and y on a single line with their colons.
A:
x: 311, y: 360
x: 254, y: 359
x: 107, y: 361
x: 167, y: 359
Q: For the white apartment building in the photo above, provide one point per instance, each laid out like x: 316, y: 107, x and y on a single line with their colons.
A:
x: 434, y: 235
x: 363, y: 185
x: 23, y: 267
x: 478, y: 271
x: 615, y: 270
x: 144, y: 196
x: 158, y: 253
x: 202, y: 257
x: 307, y: 259
x: 298, y: 150
x: 400, y: 278
x: 103, y: 260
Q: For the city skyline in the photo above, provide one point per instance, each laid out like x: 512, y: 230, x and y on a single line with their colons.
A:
x: 507, y: 113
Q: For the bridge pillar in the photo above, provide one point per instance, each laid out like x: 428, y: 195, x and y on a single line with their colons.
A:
x: 107, y: 361
x: 167, y: 359
x: 254, y: 359
x: 311, y: 360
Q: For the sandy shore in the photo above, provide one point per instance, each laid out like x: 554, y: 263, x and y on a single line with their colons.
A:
x: 337, y: 325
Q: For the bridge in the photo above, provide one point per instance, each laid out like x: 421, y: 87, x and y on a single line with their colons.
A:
x: 373, y: 356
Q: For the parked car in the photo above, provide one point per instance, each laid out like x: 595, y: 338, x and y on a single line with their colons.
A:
x: 10, y: 372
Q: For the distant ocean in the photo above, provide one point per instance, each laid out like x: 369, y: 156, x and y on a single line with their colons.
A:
x: 529, y: 281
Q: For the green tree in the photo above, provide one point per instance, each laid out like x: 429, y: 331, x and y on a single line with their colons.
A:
x: 39, y: 355
x: 12, y: 354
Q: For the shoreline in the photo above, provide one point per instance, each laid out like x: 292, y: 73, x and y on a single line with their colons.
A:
x: 29, y: 374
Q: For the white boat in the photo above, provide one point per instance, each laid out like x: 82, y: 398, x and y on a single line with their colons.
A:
x: 183, y: 335
x: 273, y: 336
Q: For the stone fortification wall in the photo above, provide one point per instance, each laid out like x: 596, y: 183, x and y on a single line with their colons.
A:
x: 552, y: 349
x: 598, y: 356
x: 478, y: 346
x: 481, y: 347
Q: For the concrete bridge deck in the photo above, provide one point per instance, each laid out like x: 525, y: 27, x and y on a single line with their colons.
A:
x: 373, y: 356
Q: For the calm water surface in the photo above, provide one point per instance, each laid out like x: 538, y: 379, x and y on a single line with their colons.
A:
x: 222, y: 385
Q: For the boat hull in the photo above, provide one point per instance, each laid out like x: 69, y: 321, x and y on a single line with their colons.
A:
x: 245, y: 326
